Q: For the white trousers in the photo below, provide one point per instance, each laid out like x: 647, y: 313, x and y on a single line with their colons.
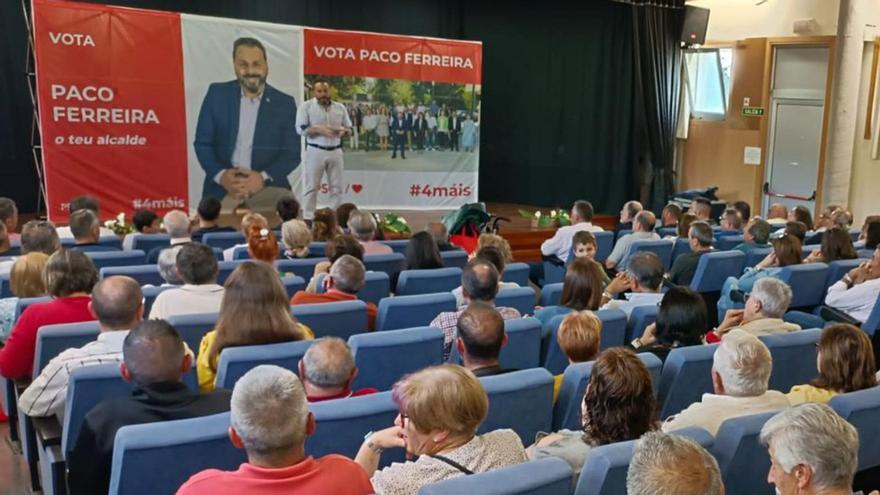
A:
x: 317, y: 162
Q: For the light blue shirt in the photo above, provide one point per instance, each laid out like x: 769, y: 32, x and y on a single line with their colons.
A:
x: 622, y: 246
x: 247, y: 124
x: 312, y: 113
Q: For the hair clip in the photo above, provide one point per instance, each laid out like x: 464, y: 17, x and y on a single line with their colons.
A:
x: 264, y: 233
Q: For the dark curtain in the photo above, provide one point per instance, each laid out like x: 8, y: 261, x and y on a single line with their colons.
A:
x: 657, y: 55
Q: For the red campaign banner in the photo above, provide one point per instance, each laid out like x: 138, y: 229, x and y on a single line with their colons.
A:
x: 112, y: 106
x: 383, y: 56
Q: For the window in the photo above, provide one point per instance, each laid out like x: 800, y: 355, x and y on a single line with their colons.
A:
x: 708, y: 81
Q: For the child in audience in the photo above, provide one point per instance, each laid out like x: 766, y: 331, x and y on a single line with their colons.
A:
x: 584, y: 244
x: 147, y: 222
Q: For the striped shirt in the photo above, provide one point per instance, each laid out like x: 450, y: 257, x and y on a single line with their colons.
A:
x: 448, y: 322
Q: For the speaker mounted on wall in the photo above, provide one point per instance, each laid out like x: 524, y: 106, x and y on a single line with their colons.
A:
x: 696, y: 20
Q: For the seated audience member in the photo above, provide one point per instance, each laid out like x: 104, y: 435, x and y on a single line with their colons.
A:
x: 479, y: 282
x: 492, y: 255
x: 85, y: 229
x: 581, y: 289
x: 872, y: 235
x: 786, y: 252
x: 643, y: 230
x: 25, y: 280
x: 262, y: 245
x: 584, y: 246
x: 765, y: 307
x: 9, y: 217
x: 324, y: 226
x: 670, y: 215
x: 836, y: 245
x: 69, y: 277
x: 480, y: 337
x: 845, y: 362
x: 200, y: 292
x: 857, y: 292
x: 640, y: 284
x: 328, y: 370
x: 153, y: 359
x: 797, y: 229
x: 863, y: 235
x: 207, y: 213
x: 247, y: 221
x: 333, y: 250
x: 287, y: 208
x: 745, y: 211
x: 363, y: 227
x: 559, y: 245
x: 117, y: 304
x: 296, y: 236
x: 801, y: 214
x: 627, y: 216
x: 421, y: 253
x: 702, y: 209
x: 441, y: 408
x: 254, y: 311
x: 683, y: 227
x: 777, y: 214
x: 824, y: 222
x: 756, y: 235
x: 700, y: 239
x: 270, y: 420
x: 146, y: 222
x: 731, y: 223
x: 347, y: 276
x: 578, y: 338
x: 812, y: 450
x: 441, y: 236
x: 83, y: 203
x: 842, y: 218
x: 177, y: 225
x: 36, y: 236
x: 5, y: 243
x: 168, y: 266
x: 497, y: 242
x: 681, y: 315
x: 740, y: 376
x: 618, y: 405
x: 664, y: 464
x: 343, y: 215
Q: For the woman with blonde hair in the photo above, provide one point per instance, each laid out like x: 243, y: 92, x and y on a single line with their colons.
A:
x: 498, y: 242
x: 25, y: 280
x: 254, y: 311
x: 247, y: 223
x: 441, y: 408
x: 296, y: 237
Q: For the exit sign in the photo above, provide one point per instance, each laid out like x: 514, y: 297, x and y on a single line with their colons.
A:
x: 753, y: 111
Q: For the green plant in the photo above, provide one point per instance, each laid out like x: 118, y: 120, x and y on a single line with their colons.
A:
x: 395, y: 224
x: 119, y: 226
x: 554, y: 218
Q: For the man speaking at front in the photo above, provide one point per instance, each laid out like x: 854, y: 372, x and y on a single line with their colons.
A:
x: 245, y: 136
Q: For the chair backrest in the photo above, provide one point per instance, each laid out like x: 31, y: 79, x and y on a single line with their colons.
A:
x: 225, y: 269
x: 808, y: 248
x: 519, y: 400
x: 523, y: 349
x: 413, y: 282
x: 865, y: 253
x: 639, y: 319
x: 412, y: 311
x: 86, y: 387
x: 623, y: 232
x: 554, y: 273
x: 794, y: 357
x: 334, y: 319
x: 456, y: 258
x: 234, y: 362
x: 52, y: 340
x: 872, y: 324
x: 242, y: 253
x: 146, y: 242
x: 754, y: 256
x: 389, y: 264
x: 612, y: 335
x: 193, y: 327
x: 105, y: 240
x: 567, y: 409
x: 861, y: 408
x: 167, y: 453
x: 838, y: 268
x: 807, y: 282
x: 686, y: 376
x: 26, y: 302
x: 547, y: 476
x: 728, y: 242
x: 304, y: 267
x: 714, y: 268
x: 517, y: 273
x: 150, y: 295
x: 383, y: 358
x: 293, y: 284
x: 117, y: 258
x: 316, y: 248
x: 604, y: 245
x: 521, y: 298
x: 663, y: 250
x: 398, y: 245
x: 681, y: 247
x: 222, y: 240
x: 376, y: 286
x: 744, y: 462
x: 551, y: 294
x: 143, y: 274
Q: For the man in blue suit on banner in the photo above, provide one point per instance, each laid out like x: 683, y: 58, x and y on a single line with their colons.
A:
x: 245, y: 137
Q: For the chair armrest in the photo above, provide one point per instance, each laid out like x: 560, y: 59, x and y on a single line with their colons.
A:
x: 20, y: 385
x: 48, y: 430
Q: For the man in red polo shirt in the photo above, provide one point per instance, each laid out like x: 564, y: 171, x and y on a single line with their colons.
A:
x: 327, y: 371
x: 345, y: 279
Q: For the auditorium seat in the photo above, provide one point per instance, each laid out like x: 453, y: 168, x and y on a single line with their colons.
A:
x: 521, y: 298
x: 225, y: 269
x: 111, y: 241
x: 794, y: 358
x: 554, y: 271
x: 223, y: 240
x: 686, y: 376
x: 523, y: 348
x: 234, y: 362
x: 743, y: 461
x: 334, y: 319
x: 412, y: 311
x: 147, y: 242
x: 872, y: 324
x: 293, y: 284
x: 623, y: 232
x: 241, y: 252
x: 413, y: 282
x: 376, y: 286
x: 838, y: 268
x: 519, y: 400
x: 855, y: 234
x: 639, y: 319
x: 398, y: 246
x: 143, y: 274
x: 663, y: 250
x: 866, y: 253
x: 714, y: 268
x: 551, y: 294
x: 612, y: 335
x: 728, y: 242
x: 117, y: 258
x: 804, y: 319
x: 304, y: 267
x: 754, y: 256
x: 5, y: 287
x: 316, y: 249
x: 193, y: 327
x: 390, y: 264
x: 24, y: 302
x: 862, y: 408
x: 807, y: 282
x: 383, y: 358
x: 547, y: 476
x: 150, y: 295
x: 517, y: 273
x: 159, y: 457
x: 667, y: 231
x: 454, y: 258
x: 604, y: 245
x: 681, y: 247
x: 52, y: 340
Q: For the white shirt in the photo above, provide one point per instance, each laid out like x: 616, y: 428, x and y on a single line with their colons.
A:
x: 857, y: 301
x: 311, y: 113
x: 713, y: 410
x: 247, y: 124
x: 188, y: 299
x: 229, y: 252
x: 560, y: 243
x: 370, y: 122
x: 65, y: 233
x: 6, y: 266
x: 634, y: 299
x: 432, y: 122
x: 622, y: 246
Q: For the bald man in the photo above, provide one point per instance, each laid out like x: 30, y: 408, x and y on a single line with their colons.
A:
x: 777, y: 214
x: 702, y: 209
x: 155, y: 360
x: 328, y: 370
x: 643, y: 230
x: 117, y: 304
x: 480, y: 339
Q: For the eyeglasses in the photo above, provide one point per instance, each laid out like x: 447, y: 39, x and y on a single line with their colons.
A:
x: 403, y: 418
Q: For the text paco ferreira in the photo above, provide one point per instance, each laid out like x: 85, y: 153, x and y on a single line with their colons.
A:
x: 100, y: 95
x: 393, y: 57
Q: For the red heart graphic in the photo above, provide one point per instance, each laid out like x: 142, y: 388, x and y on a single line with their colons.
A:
x: 357, y: 187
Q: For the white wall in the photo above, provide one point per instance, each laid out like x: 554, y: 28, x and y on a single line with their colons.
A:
x: 731, y: 20
x: 866, y: 171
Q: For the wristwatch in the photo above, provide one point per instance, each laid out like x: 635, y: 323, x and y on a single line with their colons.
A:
x: 636, y: 343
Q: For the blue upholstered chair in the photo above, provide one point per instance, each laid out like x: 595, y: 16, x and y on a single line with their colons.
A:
x: 150, y: 295
x: 383, y: 358
x: 744, y: 462
x: 222, y: 240
x: 413, y: 282
x: 52, y: 340
x: 335, y: 319
x: 376, y: 286
x: 517, y: 273
x: 612, y: 335
x: 519, y: 400
x: 102, y: 259
x: 604, y: 245
x: 714, y: 268
x: 686, y: 376
x: 147, y: 242
x: 862, y: 408
x: 728, y: 242
x: 754, y: 256
x: 794, y: 358
x: 547, y: 476
x: 455, y: 258
x: 193, y: 327
x: 143, y: 274
x: 523, y: 349
x: 390, y: 264
x: 304, y: 267
x: 807, y: 282
x: 521, y: 298
x: 837, y: 269
x: 398, y: 245
x: 111, y: 241
x: 639, y: 319
x: 551, y: 294
x: 663, y: 250
x: 234, y: 362
x: 681, y: 247
x: 412, y: 311
x: 293, y: 284
x: 26, y: 302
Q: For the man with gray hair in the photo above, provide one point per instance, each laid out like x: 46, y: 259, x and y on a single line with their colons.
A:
x: 441, y: 236
x: 86, y: 232
x: 740, y: 376
x: 700, y: 239
x: 167, y: 265
x: 327, y: 371
x: 756, y: 235
x: 643, y: 230
x: 812, y: 450
x: 83, y: 203
x: 200, y: 292
x: 640, y: 284
x: 765, y: 306
x: 270, y: 419
x: 36, y: 236
x: 664, y: 464
x: 347, y: 276
x: 176, y: 223
x: 363, y: 227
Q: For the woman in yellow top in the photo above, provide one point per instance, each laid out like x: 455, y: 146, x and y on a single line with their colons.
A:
x: 254, y: 311
x: 846, y: 363
x: 578, y: 339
